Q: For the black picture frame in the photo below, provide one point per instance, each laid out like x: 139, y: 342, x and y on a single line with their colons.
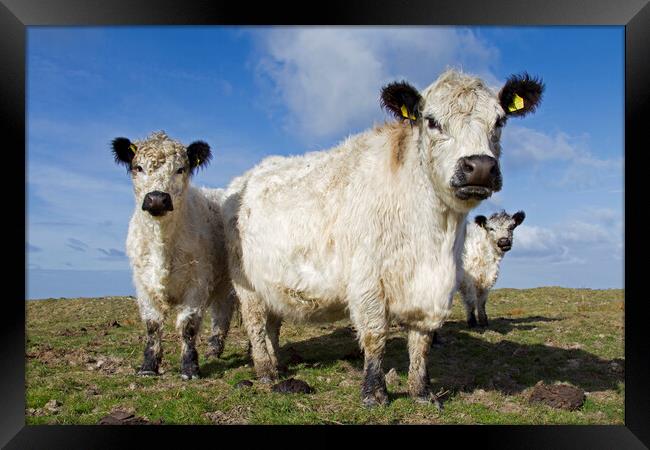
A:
x: 16, y: 15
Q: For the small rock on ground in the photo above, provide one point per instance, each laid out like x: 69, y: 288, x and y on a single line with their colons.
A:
x: 244, y: 384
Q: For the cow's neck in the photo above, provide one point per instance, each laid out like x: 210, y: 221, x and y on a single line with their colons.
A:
x: 162, y: 233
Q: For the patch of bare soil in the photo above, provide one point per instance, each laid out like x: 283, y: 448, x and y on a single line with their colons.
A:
x: 125, y: 417
x: 292, y: 386
x: 561, y: 396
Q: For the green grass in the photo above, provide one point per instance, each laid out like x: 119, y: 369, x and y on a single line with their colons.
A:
x: 575, y: 336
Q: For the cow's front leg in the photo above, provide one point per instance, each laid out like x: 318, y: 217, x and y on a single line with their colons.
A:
x: 369, y: 318
x: 469, y: 301
x: 189, y: 324
x: 152, y: 348
x: 419, y: 344
x: 481, y: 300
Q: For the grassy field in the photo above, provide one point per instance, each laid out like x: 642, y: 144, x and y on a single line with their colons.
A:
x: 82, y: 354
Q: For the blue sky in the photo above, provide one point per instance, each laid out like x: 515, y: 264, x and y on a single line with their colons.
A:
x: 257, y: 91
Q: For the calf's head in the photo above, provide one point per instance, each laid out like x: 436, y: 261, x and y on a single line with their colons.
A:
x: 459, y: 121
x: 500, y: 227
x: 160, y: 168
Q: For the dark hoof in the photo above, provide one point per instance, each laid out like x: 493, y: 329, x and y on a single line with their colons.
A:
x: 429, y: 399
x: 472, y: 321
x: 292, y: 386
x: 377, y: 399
x: 483, y: 323
x: 190, y: 376
x: 244, y: 384
x: 215, y: 347
x: 266, y: 379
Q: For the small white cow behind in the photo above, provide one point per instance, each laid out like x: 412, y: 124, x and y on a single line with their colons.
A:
x: 486, y: 242
x: 372, y: 228
x: 176, y: 246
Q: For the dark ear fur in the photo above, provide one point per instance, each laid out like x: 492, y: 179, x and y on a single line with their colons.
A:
x: 199, y: 154
x: 398, y: 94
x: 529, y: 88
x: 480, y: 220
x: 122, y: 151
x: 519, y: 217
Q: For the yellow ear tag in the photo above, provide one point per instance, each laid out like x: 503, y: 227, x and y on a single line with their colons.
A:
x: 198, y: 161
x: 517, y: 103
x: 133, y: 148
x: 405, y: 113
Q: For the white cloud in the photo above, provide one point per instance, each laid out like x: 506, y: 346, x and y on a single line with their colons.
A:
x: 329, y: 79
x: 571, y: 241
x: 528, y: 149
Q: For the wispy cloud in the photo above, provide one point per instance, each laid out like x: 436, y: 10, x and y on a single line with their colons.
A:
x: 112, y: 254
x: 571, y: 240
x: 32, y: 248
x: 76, y: 244
x: 560, y: 159
x: 329, y: 79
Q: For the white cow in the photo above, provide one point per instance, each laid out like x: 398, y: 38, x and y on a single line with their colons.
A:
x: 373, y: 227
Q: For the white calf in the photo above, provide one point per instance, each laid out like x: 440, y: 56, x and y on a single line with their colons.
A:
x: 486, y: 242
x: 176, y: 246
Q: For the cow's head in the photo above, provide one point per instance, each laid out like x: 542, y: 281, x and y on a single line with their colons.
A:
x: 500, y: 227
x: 160, y: 168
x: 460, y: 121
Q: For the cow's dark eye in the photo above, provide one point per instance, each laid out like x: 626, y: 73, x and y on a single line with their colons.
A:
x: 181, y: 170
x: 433, y: 124
x: 138, y: 168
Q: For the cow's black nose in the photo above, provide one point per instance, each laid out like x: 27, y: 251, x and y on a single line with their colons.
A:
x: 157, y: 203
x: 479, y: 170
x: 504, y: 243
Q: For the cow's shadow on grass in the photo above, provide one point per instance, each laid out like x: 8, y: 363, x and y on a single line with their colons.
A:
x: 465, y: 362
x: 504, y: 325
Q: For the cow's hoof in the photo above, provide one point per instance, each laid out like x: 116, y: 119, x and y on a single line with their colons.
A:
x: 428, y: 399
x: 267, y: 379
x: 471, y: 322
x: 377, y: 398
x: 483, y: 322
x: 147, y: 373
x: 190, y: 376
x: 215, y: 348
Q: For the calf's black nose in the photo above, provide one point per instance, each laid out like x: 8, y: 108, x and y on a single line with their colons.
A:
x: 479, y: 170
x: 157, y: 203
x: 504, y: 242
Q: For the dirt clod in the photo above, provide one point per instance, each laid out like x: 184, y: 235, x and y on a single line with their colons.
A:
x: 244, y: 384
x: 292, y: 386
x: 558, y: 396
x: 125, y: 417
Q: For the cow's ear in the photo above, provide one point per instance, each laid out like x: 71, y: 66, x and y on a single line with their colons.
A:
x: 402, y: 100
x: 199, y: 154
x: 519, y: 217
x: 521, y: 95
x: 123, y: 150
x: 480, y: 220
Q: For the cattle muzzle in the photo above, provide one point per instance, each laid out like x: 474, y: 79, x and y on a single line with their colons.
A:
x: 157, y: 203
x: 476, y: 177
x: 504, y: 244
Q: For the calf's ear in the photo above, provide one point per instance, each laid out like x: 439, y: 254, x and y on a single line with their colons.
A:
x: 519, y: 217
x: 521, y: 95
x: 480, y: 220
x: 123, y: 151
x: 402, y: 100
x: 199, y: 154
